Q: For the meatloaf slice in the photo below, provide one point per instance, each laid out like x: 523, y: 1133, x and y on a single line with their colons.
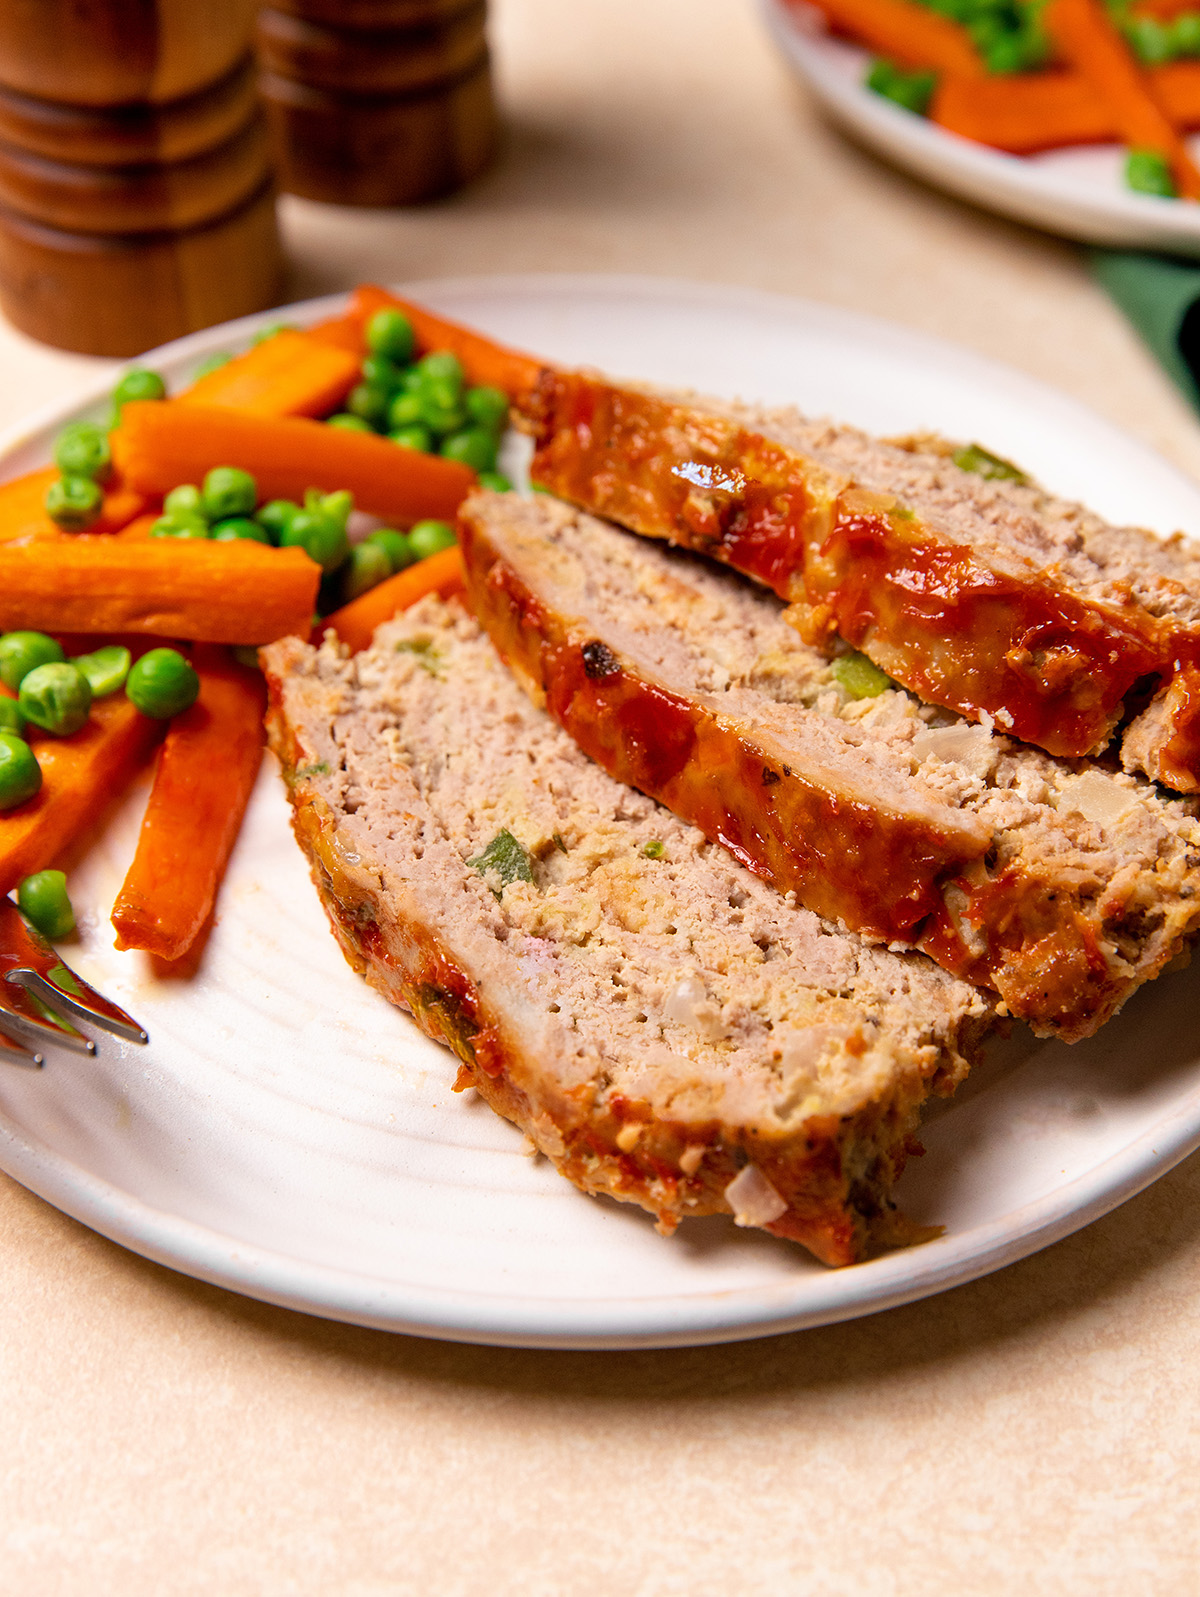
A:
x: 972, y: 587
x: 663, y: 1025
x: 1063, y: 886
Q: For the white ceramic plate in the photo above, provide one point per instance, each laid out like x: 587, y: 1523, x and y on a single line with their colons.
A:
x: 291, y: 1136
x: 1078, y: 192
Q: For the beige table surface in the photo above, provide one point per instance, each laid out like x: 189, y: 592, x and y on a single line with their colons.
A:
x: 1035, y: 1432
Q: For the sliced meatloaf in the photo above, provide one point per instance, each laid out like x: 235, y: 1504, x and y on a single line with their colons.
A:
x: 972, y: 587
x: 664, y: 1026
x: 1062, y: 885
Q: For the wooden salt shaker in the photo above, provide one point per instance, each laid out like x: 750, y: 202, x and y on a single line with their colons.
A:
x: 377, y: 102
x: 136, y: 195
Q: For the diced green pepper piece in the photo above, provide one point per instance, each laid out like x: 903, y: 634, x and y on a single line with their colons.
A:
x: 861, y: 678
x: 974, y: 457
x: 506, y: 857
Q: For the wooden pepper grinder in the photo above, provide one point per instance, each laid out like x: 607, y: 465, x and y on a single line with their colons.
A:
x: 136, y: 195
x: 377, y: 102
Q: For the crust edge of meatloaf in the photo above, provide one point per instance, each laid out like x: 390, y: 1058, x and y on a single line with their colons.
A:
x: 835, y: 1176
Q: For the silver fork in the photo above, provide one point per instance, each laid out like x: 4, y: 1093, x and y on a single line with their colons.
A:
x: 40, y: 996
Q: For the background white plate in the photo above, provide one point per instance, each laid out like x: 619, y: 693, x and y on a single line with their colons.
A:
x: 291, y: 1136
x: 1078, y: 192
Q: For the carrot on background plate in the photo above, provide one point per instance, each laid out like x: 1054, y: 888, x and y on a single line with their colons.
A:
x: 1087, y: 39
x: 81, y: 775
x: 905, y: 32
x: 1026, y: 112
x: 355, y: 622
x: 237, y: 592
x: 203, y: 779
x: 289, y: 374
x: 159, y: 446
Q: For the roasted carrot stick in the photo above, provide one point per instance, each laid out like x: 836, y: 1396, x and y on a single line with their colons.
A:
x: 80, y: 775
x: 343, y: 332
x: 159, y: 446
x: 355, y: 622
x: 289, y: 374
x: 1088, y: 40
x: 1033, y: 111
x: 23, y: 507
x: 202, y: 783
x: 239, y: 592
x: 483, y: 360
x: 906, y: 33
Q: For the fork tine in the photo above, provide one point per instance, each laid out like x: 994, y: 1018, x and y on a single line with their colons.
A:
x: 39, y: 992
x: 17, y: 1054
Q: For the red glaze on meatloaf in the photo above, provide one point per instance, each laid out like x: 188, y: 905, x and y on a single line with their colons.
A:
x: 985, y: 596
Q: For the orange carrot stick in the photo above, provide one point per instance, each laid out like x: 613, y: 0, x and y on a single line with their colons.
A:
x: 289, y: 374
x: 159, y: 446
x: 1088, y: 40
x: 1033, y: 111
x: 23, y: 507
x: 906, y: 33
x: 80, y: 775
x: 239, y: 592
x: 202, y: 783
x: 343, y: 332
x: 484, y: 361
x: 355, y: 622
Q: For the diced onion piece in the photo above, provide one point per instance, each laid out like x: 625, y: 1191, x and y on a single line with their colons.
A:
x: 957, y: 745
x: 753, y: 1199
x: 1097, y: 798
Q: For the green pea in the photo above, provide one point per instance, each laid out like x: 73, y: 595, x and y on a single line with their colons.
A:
x: 74, y: 502
x: 105, y: 668
x: 42, y: 899
x: 441, y: 393
x: 396, y: 545
x: 1147, y: 172
x: 235, y: 527
x: 415, y: 437
x: 912, y: 90
x: 180, y: 526
x: 487, y: 407
x: 246, y: 654
x: 1185, y: 34
x: 138, y: 383
x: 271, y: 331
x: 228, y: 491
x: 430, y: 537
x: 366, y: 568
x: 441, y: 422
x: 412, y: 379
x: 369, y: 403
x: 474, y: 447
x: 496, y: 481
x: 404, y: 410
x: 1150, y: 40
x: 82, y: 451
x: 321, y: 538
x: 211, y: 363
x: 56, y: 697
x: 11, y: 719
x: 276, y: 516
x: 380, y: 372
x: 23, y: 652
x: 441, y: 363
x: 162, y: 683
x: 184, y: 502
x: 390, y: 333
x: 20, y: 773
x: 349, y: 423
x: 861, y: 678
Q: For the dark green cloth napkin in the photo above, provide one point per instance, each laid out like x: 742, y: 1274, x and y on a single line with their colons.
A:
x: 1161, y: 297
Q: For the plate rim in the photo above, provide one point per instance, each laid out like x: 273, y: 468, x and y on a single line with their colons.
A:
x: 1018, y: 188
x: 721, y: 1316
